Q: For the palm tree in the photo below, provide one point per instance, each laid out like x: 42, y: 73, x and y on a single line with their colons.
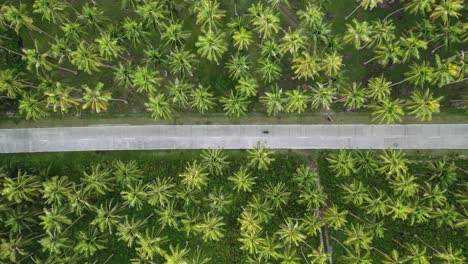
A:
x: 238, y: 66
x: 180, y: 91
x: 419, y: 75
x: 265, y: 22
x: 393, y: 163
x: 270, y: 49
x: 451, y: 255
x: 146, y: 79
x: 168, y: 216
x: 20, y: 218
x: 312, y: 197
x: 357, y: 257
x: 159, y: 106
x: 273, y: 100
x: 444, y: 172
x: 149, y: 244
x: 107, y: 216
x: 404, y: 185
x: 86, y: 57
x: 305, y: 66
x: 332, y: 64
x: 293, y: 41
x: 389, y: 53
x: 92, y: 16
x: 354, y: 96
x: 250, y: 242
x: 11, y: 82
x: 447, y: 9
x: 215, y: 161
x: 153, y: 14
x: 366, y: 5
x: 219, y: 201
x: 194, y: 176
x: 249, y: 222
x: 174, y: 35
x: 108, y: 46
x: 359, y: 34
x: 311, y: 16
x: 56, y: 190
x: 376, y: 204
x: 388, y: 111
x: 419, y: 6
x: 211, y: 228
x: 260, y: 157
x: 423, y: 104
x: 135, y: 195
x: 242, y: 39
x: 261, y: 206
x: 127, y: 173
x: 123, y: 75
x: 417, y: 254
x: 291, y: 232
x: 355, y: 193
x: 319, y: 256
x: 202, y: 99
x: 445, y: 71
x: 31, y: 107
x: 277, y: 194
x: 177, y: 255
x: 73, y: 31
x: 89, y: 242
x: 96, y: 99
x: 13, y: 247
x: 269, y: 70
x: 335, y: 218
x: 378, y: 88
x: 358, y: 237
x: 181, y: 61
x: 209, y: 14
x: 129, y: 230
x: 247, y: 86
x: 58, y: 96
x: 55, y: 243
x: 366, y: 162
x: 322, y: 96
x: 22, y: 188
x: 211, y: 45
x: 134, y: 32
x: 160, y: 192
x: 54, y: 219
x: 98, y: 181
x: 51, y: 10
x: 243, y: 180
x: 235, y: 104
x: 296, y: 101
x: 383, y: 33
x: 37, y: 60
x: 411, y: 46
x: 342, y: 163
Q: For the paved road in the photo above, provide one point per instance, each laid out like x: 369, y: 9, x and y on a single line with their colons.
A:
x: 234, y: 137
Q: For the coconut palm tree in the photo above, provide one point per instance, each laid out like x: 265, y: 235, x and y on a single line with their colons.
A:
x: 389, y: 53
x: 98, y: 181
x: 12, y: 82
x: 56, y: 190
x: 250, y: 242
x: 86, y: 57
x: 135, y: 195
x: 297, y: 101
x: 312, y: 197
x: 13, y: 248
x: 322, y: 96
x: 215, y: 161
x: 92, y: 16
x: 31, y: 107
x: 357, y: 257
x: 419, y: 74
x: 129, y: 229
x: 273, y: 100
x: 96, y: 99
x: 54, y: 219
x: 354, y: 96
x: 332, y: 63
x: 260, y: 157
x: 242, y: 39
x: 293, y: 41
x: 319, y: 256
x: 388, y: 111
x: 306, y: 66
x: 342, y: 163
x: 73, y: 31
x: 159, y: 106
x: 168, y: 216
x: 358, y: 237
x: 404, y: 185
x: 202, y: 99
x: 37, y: 60
x: 421, y: 6
x: 451, y: 255
x: 146, y: 79
x: 277, y: 194
x: 123, y: 75
x: 153, y: 14
x: 378, y: 88
x: 265, y: 22
x: 366, y: 5
x: 445, y: 71
x: 51, y: 10
x: 417, y: 254
x: 22, y: 188
x: 444, y: 172
x: 355, y: 193
x: 211, y: 45
x: 291, y: 232
x: 411, y: 45
x: 261, y: 206
x: 20, y: 218
x: 311, y: 16
x: 209, y: 14
x: 181, y: 62
x: 269, y: 70
x: 249, y: 222
x: 55, y: 243
x: 359, y: 34
x: 383, y: 33
x: 126, y: 173
x: 107, y: 216
x: 247, y: 87
x: 219, y: 201
x: 422, y: 104
x: 178, y: 255
x: 149, y: 244
x: 108, y: 46
x: 211, y: 227
x: 270, y: 49
x: 235, y: 105
x: 335, y: 218
x: 243, y: 180
x: 160, y: 192
x: 194, y: 175
x: 447, y: 9
x: 376, y: 204
x: 393, y: 163
x: 366, y: 162
x: 89, y: 242
x: 174, y: 35
x: 179, y: 91
x: 238, y: 66
x: 134, y: 31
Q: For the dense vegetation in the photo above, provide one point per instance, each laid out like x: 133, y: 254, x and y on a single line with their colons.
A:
x: 216, y: 206
x: 391, y: 58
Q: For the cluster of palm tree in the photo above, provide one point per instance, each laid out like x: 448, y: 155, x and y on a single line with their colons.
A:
x: 266, y: 49
x: 268, y: 213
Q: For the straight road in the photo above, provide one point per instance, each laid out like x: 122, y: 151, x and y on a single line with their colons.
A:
x: 151, y: 137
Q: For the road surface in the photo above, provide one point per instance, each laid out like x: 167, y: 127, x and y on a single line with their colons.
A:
x: 151, y: 137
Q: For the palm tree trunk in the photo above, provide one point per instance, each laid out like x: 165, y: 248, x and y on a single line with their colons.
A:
x: 303, y: 256
x: 434, y: 50
x: 120, y: 100
x: 354, y: 11
x: 367, y: 62
x: 424, y: 242
x: 394, y: 12
x: 466, y: 79
x: 405, y: 80
x: 11, y: 51
x: 8, y: 97
x: 65, y: 69
x: 71, y: 6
